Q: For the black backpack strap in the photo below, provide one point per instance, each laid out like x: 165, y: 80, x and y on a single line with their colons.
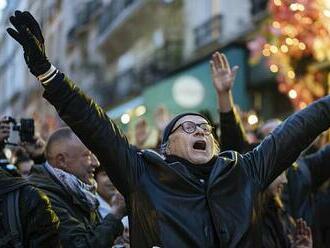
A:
x: 14, y: 220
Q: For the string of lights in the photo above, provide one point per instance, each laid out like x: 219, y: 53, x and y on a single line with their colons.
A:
x: 294, y: 40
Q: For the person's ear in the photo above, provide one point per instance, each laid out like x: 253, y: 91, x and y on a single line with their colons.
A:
x: 60, y: 161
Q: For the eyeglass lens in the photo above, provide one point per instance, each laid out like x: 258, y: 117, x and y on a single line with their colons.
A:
x: 191, y: 127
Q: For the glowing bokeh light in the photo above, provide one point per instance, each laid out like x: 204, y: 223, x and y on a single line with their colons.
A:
x: 274, y: 49
x: 273, y: 68
x: 140, y: 110
x: 278, y: 2
x: 253, y: 119
x: 125, y: 118
x: 291, y: 74
x: 293, y: 94
x: 284, y: 48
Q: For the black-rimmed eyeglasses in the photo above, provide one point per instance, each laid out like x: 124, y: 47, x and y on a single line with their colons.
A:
x: 190, y: 127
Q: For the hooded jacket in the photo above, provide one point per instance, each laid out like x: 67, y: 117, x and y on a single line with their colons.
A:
x: 80, y: 225
x: 39, y: 223
x: 167, y: 205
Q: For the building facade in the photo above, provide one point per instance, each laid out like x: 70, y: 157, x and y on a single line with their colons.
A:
x: 123, y: 53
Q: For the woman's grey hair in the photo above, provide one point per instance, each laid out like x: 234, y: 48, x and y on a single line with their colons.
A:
x: 216, y: 147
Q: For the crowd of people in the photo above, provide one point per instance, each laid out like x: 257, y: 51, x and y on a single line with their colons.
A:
x: 192, y: 182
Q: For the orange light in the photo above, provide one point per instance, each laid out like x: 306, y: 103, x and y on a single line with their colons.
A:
x: 297, y: 7
x: 266, y: 46
x: 273, y: 68
x: 293, y: 7
x: 302, y: 46
x: 297, y: 16
x: 276, y: 24
x: 290, y: 30
x: 302, y: 105
x: 301, y: 7
x: 291, y: 74
x: 273, y: 49
x: 307, y: 20
x: 295, y: 41
x: 289, y: 41
x: 284, y: 48
x: 282, y: 87
x: 278, y: 2
x: 266, y: 52
x: 326, y: 12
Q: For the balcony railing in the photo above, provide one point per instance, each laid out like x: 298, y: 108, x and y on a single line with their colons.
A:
x: 84, y: 16
x: 208, y: 31
x: 164, y: 60
x: 123, y: 86
x: 131, y: 82
x: 112, y: 12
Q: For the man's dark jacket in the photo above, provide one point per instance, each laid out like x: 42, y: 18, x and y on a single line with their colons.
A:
x: 167, y: 205
x: 79, y: 225
x: 39, y: 223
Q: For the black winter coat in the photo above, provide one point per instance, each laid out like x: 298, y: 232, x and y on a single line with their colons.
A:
x: 276, y: 226
x: 305, y: 177
x: 39, y: 223
x: 79, y: 225
x: 306, y: 199
x: 167, y: 205
x: 304, y: 180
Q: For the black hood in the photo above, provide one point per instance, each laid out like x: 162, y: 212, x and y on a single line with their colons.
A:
x: 9, y: 183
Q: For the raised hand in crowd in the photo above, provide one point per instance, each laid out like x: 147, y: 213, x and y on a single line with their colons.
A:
x: 161, y: 118
x: 118, y: 205
x: 142, y: 132
x: 223, y: 78
x: 35, y: 149
x: 29, y: 35
x: 303, y: 235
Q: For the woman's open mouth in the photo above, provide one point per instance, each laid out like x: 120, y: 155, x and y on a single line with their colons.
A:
x: 200, y: 145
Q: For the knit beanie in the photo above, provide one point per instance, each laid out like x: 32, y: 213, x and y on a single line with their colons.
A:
x: 171, y: 124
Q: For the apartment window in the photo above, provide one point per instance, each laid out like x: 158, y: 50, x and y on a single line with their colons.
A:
x: 208, y: 31
x: 258, y: 6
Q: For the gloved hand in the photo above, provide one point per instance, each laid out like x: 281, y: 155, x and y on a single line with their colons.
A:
x: 28, y: 34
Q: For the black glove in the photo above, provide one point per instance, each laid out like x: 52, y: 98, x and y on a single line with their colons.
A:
x: 28, y: 34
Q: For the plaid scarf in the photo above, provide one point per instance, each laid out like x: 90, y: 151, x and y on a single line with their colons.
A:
x: 84, y: 192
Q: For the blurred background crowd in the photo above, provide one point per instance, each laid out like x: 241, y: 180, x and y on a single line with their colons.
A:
x: 133, y: 56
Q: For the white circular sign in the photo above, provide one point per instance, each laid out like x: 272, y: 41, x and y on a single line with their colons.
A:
x: 188, y: 91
